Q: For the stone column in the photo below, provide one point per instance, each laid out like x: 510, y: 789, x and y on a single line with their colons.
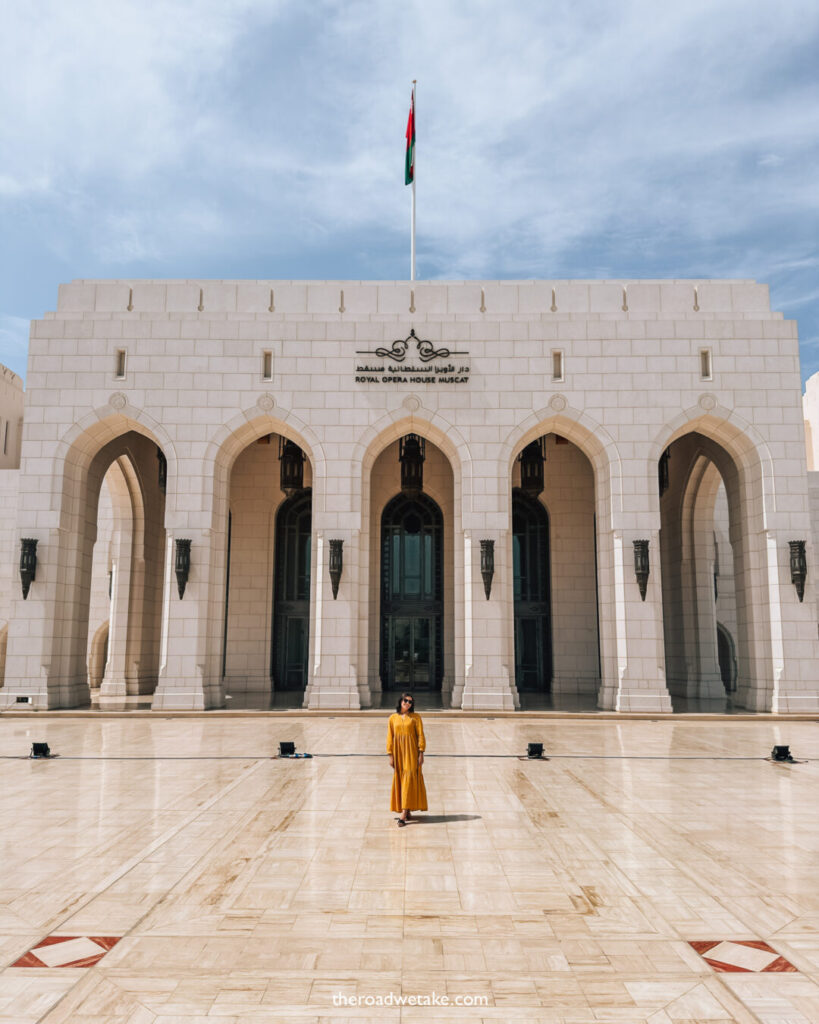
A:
x: 631, y: 630
x: 489, y: 683
x: 189, y: 670
x: 334, y: 680
x: 784, y: 651
x: 45, y: 658
x: 708, y: 685
x: 120, y: 673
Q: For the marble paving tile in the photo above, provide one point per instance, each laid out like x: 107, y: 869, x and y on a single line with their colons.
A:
x: 573, y: 891
x: 67, y: 951
x: 743, y: 956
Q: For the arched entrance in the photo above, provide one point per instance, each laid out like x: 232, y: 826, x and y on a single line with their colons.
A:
x: 291, y: 593
x: 702, y: 540
x: 268, y: 552
x: 553, y: 594
x: 530, y: 560
x: 412, y: 594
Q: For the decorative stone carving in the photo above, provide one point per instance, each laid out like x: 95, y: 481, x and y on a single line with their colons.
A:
x: 558, y: 403
x: 265, y: 402
x: 707, y: 402
x: 412, y: 403
x: 118, y: 400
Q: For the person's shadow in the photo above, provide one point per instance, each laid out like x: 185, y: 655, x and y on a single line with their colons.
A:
x: 439, y: 819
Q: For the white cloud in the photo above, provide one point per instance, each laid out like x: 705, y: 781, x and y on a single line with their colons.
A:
x: 542, y: 128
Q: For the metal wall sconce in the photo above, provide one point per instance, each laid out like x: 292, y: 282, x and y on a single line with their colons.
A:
x: 183, y: 565
x: 662, y: 471
x: 291, y: 460
x: 28, y: 563
x: 799, y: 567
x: 162, y: 476
x: 487, y: 565
x: 531, y: 467
x: 641, y: 566
x: 336, y: 564
x: 716, y: 567
x: 411, y: 455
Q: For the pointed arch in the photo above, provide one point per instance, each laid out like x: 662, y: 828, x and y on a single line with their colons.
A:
x: 737, y: 437
x: 242, y: 430
x: 83, y: 441
x: 590, y: 437
x: 427, y: 424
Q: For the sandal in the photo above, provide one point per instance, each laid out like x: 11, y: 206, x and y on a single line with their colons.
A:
x: 401, y: 822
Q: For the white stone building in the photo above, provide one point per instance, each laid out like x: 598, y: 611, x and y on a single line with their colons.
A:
x: 567, y: 434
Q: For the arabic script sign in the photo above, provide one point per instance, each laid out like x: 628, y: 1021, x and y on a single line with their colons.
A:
x: 425, y: 364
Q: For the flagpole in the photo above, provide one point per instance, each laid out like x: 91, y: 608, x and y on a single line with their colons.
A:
x: 414, y: 174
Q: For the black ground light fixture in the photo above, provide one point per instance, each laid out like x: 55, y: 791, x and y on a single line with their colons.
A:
x: 411, y: 455
x: 641, y: 565
x: 291, y: 465
x: 531, y: 467
x: 40, y: 750
x: 781, y: 753
x: 534, y: 751
x: 28, y: 563
x: 183, y: 565
x: 487, y: 565
x: 799, y: 567
x: 287, y: 749
x: 336, y: 564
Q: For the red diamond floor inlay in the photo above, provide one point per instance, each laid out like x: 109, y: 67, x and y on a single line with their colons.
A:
x: 749, y: 955
x: 68, y: 951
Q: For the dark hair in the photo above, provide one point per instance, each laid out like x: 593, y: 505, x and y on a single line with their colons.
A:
x: 398, y: 705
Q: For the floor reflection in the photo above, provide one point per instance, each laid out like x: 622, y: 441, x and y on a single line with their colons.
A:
x: 425, y: 700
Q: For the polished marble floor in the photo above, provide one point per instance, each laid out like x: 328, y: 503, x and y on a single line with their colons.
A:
x: 430, y: 700
x: 171, y: 870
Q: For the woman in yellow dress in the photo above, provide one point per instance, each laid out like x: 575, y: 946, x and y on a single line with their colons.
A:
x: 405, y: 747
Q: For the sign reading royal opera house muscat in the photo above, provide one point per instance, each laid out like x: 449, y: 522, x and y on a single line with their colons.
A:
x: 491, y: 493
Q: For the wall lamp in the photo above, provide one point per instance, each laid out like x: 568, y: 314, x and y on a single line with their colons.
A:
x: 531, y: 467
x: 28, y: 563
x: 411, y: 455
x: 641, y: 565
x: 799, y: 567
x: 291, y: 467
x: 183, y: 565
x: 336, y: 564
x: 487, y: 565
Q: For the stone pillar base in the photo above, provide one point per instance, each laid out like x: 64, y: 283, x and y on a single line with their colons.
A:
x: 489, y: 695
x: 634, y: 699
x: 176, y: 696
x: 69, y: 695
x: 793, y: 703
x: 339, y: 694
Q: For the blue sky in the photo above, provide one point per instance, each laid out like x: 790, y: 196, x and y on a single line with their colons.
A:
x: 264, y: 139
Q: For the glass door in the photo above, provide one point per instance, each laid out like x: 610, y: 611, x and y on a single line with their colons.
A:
x: 411, y: 594
x: 291, y: 593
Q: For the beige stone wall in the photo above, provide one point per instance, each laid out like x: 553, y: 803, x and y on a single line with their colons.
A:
x: 810, y: 408
x: 11, y: 418
x: 631, y: 383
x: 569, y: 499
x: 255, y: 496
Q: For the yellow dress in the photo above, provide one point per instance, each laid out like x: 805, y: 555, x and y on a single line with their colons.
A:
x: 405, y: 738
